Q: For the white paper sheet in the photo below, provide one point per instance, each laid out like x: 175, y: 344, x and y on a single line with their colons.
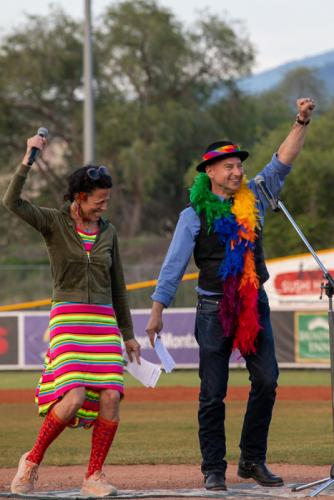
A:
x: 166, y: 359
x: 147, y: 373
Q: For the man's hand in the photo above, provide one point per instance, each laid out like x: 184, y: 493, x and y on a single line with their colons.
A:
x: 305, y: 106
x: 37, y: 141
x: 155, y: 325
x: 293, y: 143
x: 133, y: 347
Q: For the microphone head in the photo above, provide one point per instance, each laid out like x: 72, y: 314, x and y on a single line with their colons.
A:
x: 43, y: 132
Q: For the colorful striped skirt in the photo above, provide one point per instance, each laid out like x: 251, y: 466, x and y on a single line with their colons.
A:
x: 84, y: 351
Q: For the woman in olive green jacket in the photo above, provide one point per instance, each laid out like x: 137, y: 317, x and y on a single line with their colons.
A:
x: 82, y: 380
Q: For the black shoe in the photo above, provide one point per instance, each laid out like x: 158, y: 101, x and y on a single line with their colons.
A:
x: 215, y: 481
x: 260, y: 473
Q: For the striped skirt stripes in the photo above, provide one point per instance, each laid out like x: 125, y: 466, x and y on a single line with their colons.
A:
x: 84, y: 351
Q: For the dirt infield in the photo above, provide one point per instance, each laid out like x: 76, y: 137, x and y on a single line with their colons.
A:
x: 136, y: 394
x: 156, y: 476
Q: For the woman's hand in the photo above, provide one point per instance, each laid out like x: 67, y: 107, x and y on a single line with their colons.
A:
x: 133, y: 347
x: 37, y: 141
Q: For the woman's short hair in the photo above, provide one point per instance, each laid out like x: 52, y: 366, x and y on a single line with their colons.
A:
x: 86, y: 179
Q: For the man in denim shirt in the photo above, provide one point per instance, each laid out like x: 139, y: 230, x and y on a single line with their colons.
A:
x: 233, y: 309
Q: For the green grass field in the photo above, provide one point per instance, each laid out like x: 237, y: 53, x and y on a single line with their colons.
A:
x: 166, y: 432
x: 187, y: 378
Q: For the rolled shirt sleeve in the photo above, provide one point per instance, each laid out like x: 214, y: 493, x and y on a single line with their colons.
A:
x: 274, y: 174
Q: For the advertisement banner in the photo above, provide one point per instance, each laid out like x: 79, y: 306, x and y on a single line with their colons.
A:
x: 295, y: 281
x: 36, y: 338
x: 9, y: 340
x: 300, y: 337
x: 177, y: 335
x: 312, y: 337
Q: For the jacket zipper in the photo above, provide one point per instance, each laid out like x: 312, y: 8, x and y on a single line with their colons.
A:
x: 88, y: 272
x: 88, y: 256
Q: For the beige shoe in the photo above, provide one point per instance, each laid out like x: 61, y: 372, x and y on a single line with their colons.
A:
x: 96, y: 485
x: 25, y: 477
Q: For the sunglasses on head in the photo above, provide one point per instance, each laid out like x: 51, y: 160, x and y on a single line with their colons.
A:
x: 95, y: 173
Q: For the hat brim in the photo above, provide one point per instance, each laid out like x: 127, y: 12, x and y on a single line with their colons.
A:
x: 243, y: 155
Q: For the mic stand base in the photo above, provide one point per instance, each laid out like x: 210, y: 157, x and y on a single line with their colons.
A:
x: 322, y: 484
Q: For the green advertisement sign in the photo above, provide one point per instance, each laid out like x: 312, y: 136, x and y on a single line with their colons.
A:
x: 311, y: 337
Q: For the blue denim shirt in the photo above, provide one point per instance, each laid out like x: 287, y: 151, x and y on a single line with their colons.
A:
x: 188, y: 226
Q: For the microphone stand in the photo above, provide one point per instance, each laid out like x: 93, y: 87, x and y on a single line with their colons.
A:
x: 277, y: 205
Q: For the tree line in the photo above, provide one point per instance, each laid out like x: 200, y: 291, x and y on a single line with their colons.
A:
x: 162, y: 93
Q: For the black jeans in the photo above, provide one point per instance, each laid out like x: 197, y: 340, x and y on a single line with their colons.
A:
x: 215, y: 351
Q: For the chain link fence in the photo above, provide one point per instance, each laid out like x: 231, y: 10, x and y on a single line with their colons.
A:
x: 25, y: 283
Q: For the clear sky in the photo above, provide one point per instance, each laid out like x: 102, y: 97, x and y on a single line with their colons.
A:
x: 281, y: 30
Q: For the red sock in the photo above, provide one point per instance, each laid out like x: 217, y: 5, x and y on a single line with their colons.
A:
x: 51, y: 428
x: 103, y: 434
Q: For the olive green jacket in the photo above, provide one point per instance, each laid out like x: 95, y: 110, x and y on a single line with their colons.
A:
x: 97, y: 279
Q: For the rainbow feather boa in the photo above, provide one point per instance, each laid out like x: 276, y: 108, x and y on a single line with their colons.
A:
x: 235, y: 225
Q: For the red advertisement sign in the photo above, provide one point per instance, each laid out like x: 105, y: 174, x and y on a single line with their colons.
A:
x: 8, y: 340
x: 299, y: 282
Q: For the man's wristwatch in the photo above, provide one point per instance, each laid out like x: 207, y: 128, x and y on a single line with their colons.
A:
x: 302, y: 122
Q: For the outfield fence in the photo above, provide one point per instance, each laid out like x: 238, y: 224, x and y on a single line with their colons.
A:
x: 298, y: 316
x: 301, y: 338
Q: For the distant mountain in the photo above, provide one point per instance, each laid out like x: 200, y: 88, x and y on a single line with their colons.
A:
x: 266, y: 80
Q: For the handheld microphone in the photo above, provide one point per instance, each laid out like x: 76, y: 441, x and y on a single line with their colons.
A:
x: 272, y: 201
x: 43, y: 132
